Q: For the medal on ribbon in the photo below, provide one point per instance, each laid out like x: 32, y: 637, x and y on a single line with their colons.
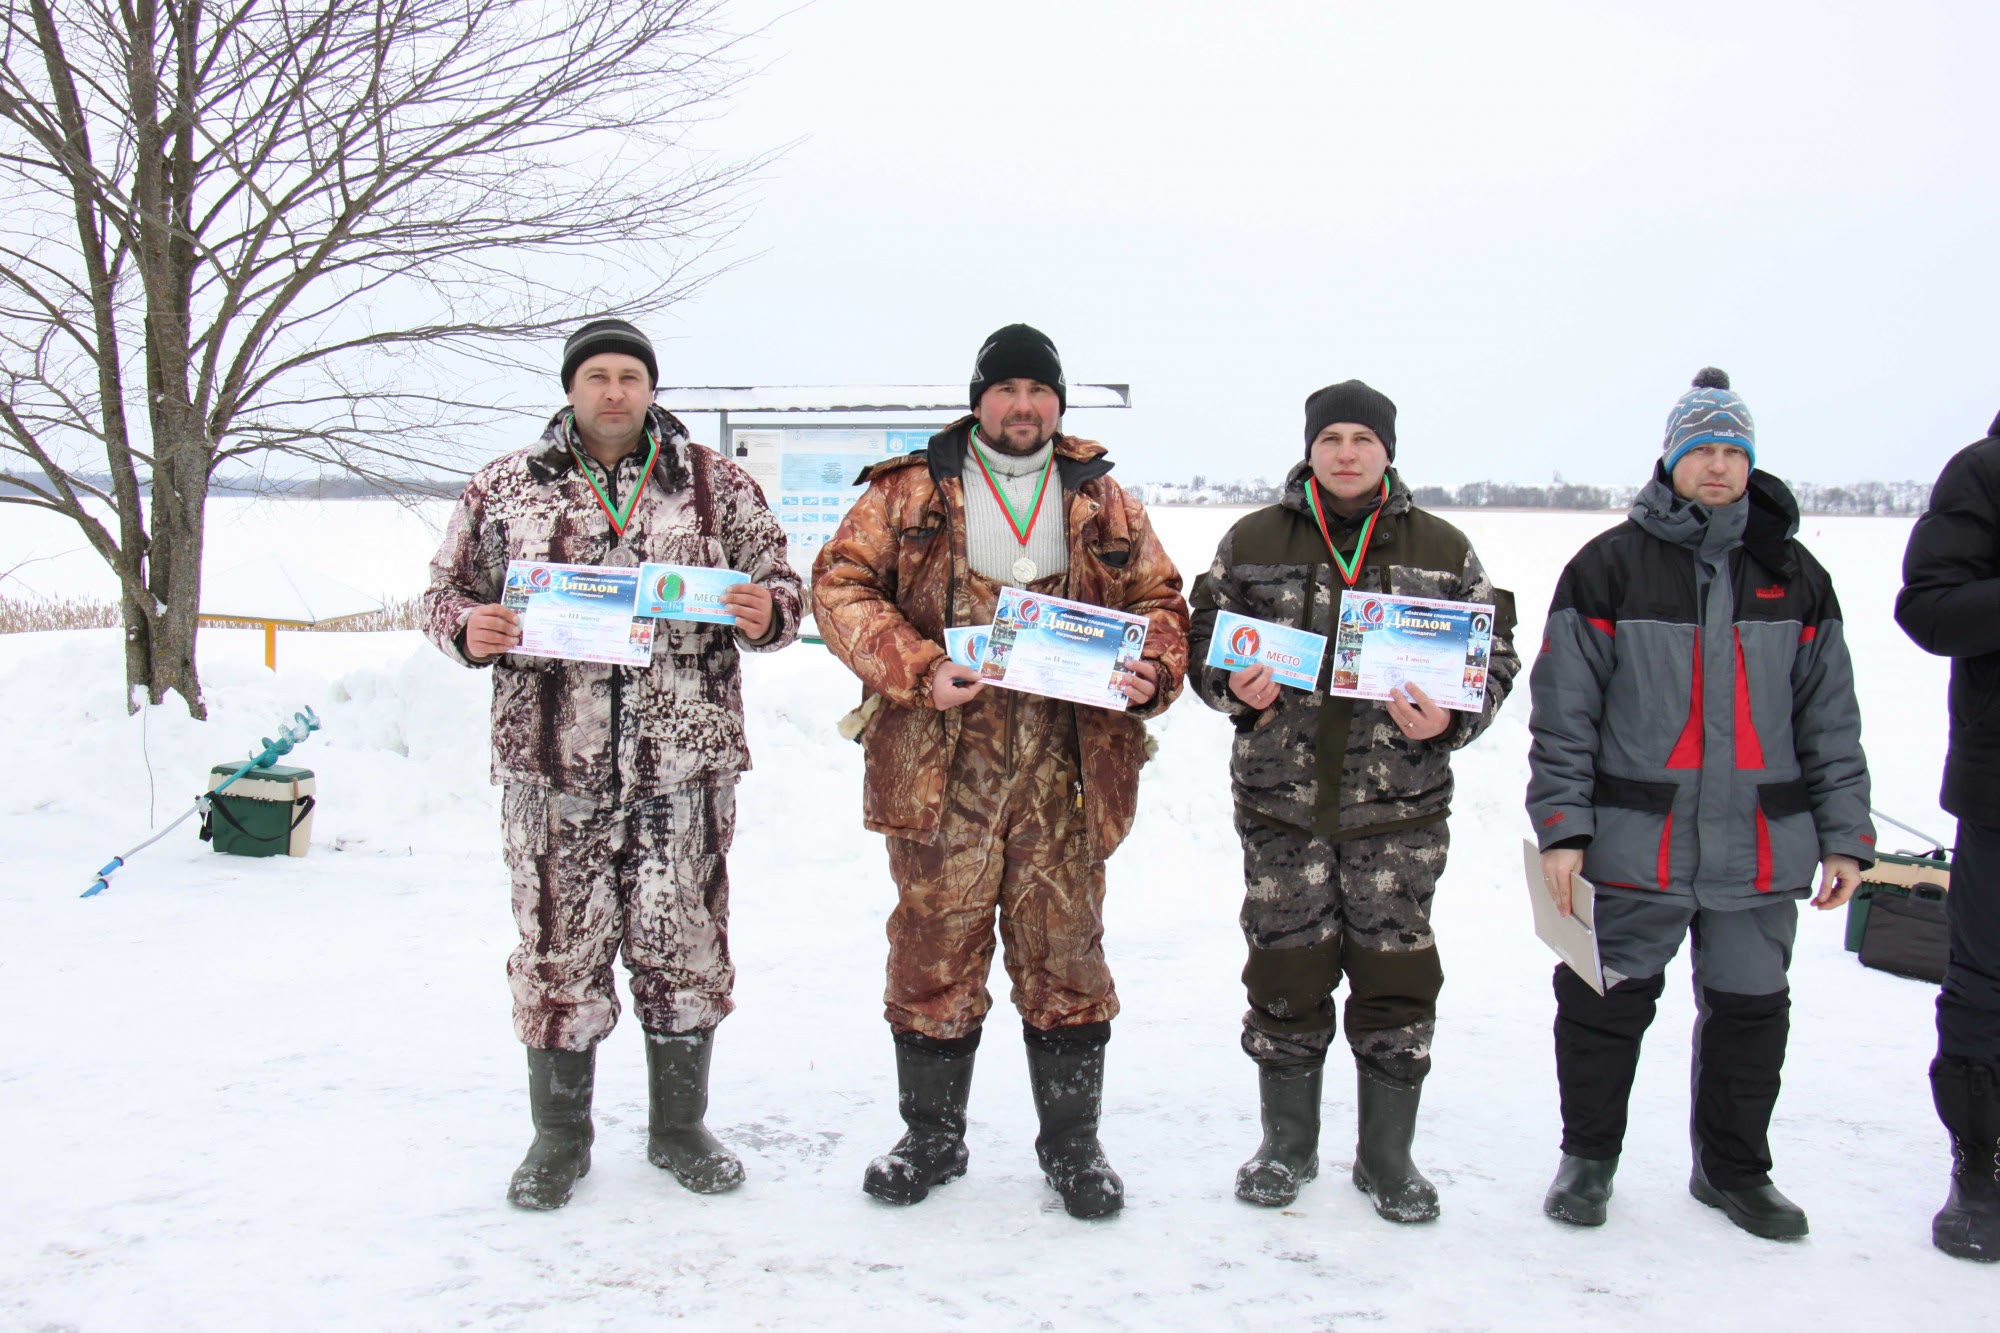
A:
x: 1024, y: 569
x: 622, y: 514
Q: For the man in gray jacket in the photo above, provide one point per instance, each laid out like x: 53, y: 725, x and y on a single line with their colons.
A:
x: 1697, y: 757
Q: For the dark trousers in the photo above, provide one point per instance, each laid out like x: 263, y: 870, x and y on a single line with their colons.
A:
x: 1739, y: 1047
x: 1968, y: 1008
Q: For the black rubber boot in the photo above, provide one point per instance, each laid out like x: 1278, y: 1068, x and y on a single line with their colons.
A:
x: 676, y: 1138
x: 559, y: 1090
x: 1758, y: 1209
x: 1288, y: 1098
x: 1581, y: 1190
x: 1967, y: 1094
x: 1066, y: 1070
x: 1387, y: 1103
x: 933, y: 1083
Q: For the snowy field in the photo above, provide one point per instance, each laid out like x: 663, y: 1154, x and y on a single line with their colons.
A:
x: 284, y: 1093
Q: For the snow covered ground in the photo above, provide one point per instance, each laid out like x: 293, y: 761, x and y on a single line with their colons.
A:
x: 259, y: 1093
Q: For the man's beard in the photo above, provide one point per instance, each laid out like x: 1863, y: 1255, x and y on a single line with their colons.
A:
x: 1006, y: 445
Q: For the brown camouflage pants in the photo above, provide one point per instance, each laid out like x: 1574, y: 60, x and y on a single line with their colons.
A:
x: 1011, y: 839
x: 1315, y: 909
x: 650, y: 875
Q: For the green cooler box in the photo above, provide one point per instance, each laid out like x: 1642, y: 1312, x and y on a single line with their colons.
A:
x: 266, y: 812
x: 1896, y: 920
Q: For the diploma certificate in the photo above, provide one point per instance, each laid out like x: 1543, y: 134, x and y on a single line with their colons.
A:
x: 1294, y: 655
x: 581, y: 612
x: 1065, y: 650
x: 687, y: 592
x: 1383, y: 642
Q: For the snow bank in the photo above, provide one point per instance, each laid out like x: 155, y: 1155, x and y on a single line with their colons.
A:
x: 245, y: 1093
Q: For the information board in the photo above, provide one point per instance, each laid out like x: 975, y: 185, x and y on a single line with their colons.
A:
x: 808, y: 474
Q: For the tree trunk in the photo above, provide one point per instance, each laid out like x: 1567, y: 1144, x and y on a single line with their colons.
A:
x: 173, y: 574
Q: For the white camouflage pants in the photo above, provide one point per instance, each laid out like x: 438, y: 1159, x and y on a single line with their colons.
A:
x: 650, y: 875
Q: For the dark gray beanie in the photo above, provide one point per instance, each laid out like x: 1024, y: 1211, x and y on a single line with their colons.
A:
x: 1019, y: 351
x: 607, y: 335
x: 1351, y: 400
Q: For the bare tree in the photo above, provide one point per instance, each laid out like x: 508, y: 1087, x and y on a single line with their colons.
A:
x: 245, y: 229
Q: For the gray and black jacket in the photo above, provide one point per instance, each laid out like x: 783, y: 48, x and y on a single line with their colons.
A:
x: 1694, y: 714
x: 1334, y: 767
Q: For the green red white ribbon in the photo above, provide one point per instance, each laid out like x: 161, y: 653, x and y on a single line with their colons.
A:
x: 1350, y: 568
x: 623, y: 514
x: 1041, y: 488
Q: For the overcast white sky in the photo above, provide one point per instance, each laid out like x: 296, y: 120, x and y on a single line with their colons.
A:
x: 1527, y: 223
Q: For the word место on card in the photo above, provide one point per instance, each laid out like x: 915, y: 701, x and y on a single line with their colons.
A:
x: 687, y: 592
x: 1240, y: 642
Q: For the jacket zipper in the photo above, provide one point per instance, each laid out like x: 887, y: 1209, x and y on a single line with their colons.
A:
x: 617, y: 672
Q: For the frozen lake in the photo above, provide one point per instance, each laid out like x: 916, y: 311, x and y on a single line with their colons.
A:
x: 254, y: 1093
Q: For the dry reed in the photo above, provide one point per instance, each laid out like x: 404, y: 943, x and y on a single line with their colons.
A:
x: 19, y: 615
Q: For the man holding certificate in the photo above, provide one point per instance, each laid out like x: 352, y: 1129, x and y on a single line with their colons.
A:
x: 995, y: 799
x: 590, y: 571
x: 1697, y: 759
x: 1341, y: 773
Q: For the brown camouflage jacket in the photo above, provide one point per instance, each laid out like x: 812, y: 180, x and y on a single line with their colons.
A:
x: 1339, y: 767
x: 895, y: 575
x: 614, y: 733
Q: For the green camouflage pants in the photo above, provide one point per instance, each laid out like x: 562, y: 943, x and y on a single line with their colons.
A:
x: 588, y: 877
x: 1314, y: 910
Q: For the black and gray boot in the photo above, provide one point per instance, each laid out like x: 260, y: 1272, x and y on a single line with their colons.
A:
x: 1387, y: 1098
x: 933, y: 1084
x: 1066, y: 1070
x: 676, y: 1138
x: 1288, y: 1101
x: 1581, y: 1191
x: 559, y: 1090
x: 1739, y: 1050
x: 1967, y: 1094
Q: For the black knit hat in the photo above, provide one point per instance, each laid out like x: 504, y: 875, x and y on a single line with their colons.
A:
x: 1018, y: 352
x: 607, y: 335
x: 1351, y: 400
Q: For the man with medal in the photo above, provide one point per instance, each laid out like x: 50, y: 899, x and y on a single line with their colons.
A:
x: 994, y: 800
x: 1341, y: 803
x: 619, y: 782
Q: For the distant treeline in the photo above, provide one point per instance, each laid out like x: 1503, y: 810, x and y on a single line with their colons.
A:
x: 340, y: 487
x: 1864, y: 497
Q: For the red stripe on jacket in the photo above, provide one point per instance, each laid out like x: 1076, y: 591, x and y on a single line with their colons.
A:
x: 1763, y: 880
x: 1749, y: 749
x: 1666, y: 853
x: 1687, y: 750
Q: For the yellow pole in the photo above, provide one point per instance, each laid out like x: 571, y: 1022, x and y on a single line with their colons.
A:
x: 271, y: 644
